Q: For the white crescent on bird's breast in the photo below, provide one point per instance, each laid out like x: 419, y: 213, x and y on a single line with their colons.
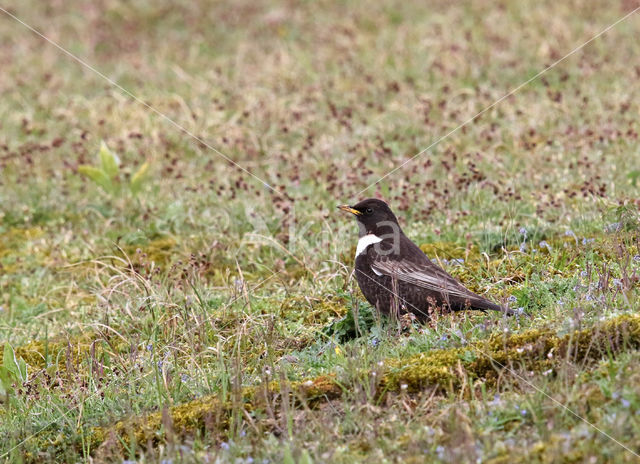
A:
x: 365, y: 241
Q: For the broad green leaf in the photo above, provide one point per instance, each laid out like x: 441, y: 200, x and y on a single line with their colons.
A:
x: 109, y: 161
x: 98, y: 176
x: 22, y: 366
x: 138, y: 178
x: 9, y: 361
x: 5, y: 381
x: 305, y: 458
x: 287, y: 457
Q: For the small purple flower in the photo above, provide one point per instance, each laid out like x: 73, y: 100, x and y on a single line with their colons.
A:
x: 583, y: 274
x: 636, y: 258
x: 625, y: 403
x: 184, y: 377
x: 523, y: 231
x: 512, y: 299
x: 569, y: 233
x: 149, y: 347
x: 523, y: 412
x: 225, y: 446
x: 544, y: 244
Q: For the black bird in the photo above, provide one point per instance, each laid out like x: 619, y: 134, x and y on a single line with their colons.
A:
x: 395, y: 275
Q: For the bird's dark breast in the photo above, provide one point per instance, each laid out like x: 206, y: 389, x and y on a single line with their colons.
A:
x: 389, y: 296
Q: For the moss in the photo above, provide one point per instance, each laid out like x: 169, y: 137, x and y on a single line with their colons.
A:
x: 158, y: 251
x: 12, y: 239
x: 16, y: 251
x: 440, y: 369
x: 207, y: 413
x: 450, y: 250
x: 320, y: 388
x: 314, y: 310
x: 536, y: 350
x: 551, y: 451
x: 185, y: 418
x: 64, y: 352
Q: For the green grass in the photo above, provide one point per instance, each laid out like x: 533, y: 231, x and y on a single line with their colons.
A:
x: 209, y: 317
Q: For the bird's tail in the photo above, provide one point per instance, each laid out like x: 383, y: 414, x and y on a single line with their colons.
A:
x: 485, y: 304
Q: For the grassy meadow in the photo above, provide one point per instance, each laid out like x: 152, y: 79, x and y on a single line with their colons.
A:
x: 161, y: 304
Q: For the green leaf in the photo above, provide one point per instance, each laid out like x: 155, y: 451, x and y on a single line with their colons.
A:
x: 287, y: 457
x: 12, y: 369
x: 5, y: 381
x: 9, y: 361
x: 109, y: 161
x: 22, y: 367
x: 98, y: 176
x: 138, y: 178
x: 305, y: 458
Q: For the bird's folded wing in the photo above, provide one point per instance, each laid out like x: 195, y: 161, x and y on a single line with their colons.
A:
x: 428, y: 276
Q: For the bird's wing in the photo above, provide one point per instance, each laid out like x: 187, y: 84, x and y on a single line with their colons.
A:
x: 426, y: 275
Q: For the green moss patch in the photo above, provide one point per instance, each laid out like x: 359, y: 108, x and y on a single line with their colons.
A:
x: 208, y: 414
x: 62, y: 354
x: 534, y: 350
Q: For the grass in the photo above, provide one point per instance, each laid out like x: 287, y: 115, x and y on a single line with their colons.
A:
x: 210, y: 317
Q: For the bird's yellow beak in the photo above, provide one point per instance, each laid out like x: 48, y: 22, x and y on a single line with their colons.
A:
x: 349, y: 209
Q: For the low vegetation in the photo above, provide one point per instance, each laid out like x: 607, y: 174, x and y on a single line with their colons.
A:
x: 160, y: 304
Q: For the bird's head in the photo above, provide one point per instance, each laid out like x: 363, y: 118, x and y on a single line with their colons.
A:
x: 374, y: 216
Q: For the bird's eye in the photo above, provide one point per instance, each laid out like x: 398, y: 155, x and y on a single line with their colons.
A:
x: 369, y: 211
